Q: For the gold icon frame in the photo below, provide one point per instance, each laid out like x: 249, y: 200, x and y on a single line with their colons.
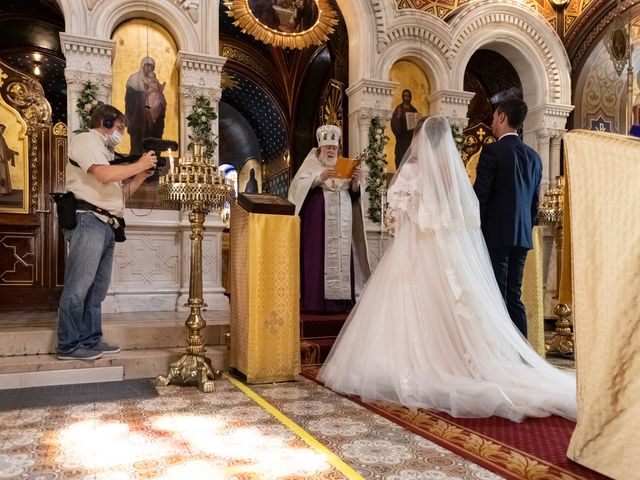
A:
x: 318, y: 34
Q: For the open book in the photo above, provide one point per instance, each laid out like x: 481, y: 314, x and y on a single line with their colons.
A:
x: 412, y: 120
x: 345, y: 166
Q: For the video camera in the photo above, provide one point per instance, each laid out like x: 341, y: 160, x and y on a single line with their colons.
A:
x: 158, y: 145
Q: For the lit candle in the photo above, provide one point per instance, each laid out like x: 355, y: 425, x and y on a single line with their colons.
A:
x: 170, y: 162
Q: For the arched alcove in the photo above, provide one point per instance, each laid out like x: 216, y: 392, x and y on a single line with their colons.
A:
x: 529, y: 44
x: 237, y: 141
x: 490, y: 76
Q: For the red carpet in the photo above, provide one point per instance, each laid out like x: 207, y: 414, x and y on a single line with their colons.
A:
x: 317, y: 334
x: 534, y: 449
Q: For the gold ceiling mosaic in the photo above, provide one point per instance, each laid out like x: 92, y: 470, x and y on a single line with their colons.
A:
x: 442, y: 8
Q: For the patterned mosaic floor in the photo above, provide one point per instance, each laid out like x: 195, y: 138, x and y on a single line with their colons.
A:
x: 228, y: 434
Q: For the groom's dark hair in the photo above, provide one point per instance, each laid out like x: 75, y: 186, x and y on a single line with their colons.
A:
x: 515, y: 110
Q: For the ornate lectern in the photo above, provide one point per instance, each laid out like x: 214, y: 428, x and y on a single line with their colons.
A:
x: 265, y: 289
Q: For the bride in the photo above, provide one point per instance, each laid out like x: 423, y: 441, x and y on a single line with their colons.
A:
x: 431, y: 329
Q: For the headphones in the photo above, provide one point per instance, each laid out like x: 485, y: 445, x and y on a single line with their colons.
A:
x: 108, y: 122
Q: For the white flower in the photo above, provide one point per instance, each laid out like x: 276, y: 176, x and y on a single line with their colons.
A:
x: 203, y: 118
x: 94, y: 103
x: 87, y: 107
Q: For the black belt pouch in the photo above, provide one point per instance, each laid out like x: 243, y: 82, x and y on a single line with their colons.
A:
x: 66, y: 205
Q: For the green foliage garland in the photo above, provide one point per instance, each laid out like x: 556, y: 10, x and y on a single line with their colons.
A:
x: 199, y: 120
x: 376, y: 161
x: 86, y: 104
x: 458, y: 136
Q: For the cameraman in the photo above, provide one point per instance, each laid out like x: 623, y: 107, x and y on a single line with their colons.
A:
x: 97, y: 185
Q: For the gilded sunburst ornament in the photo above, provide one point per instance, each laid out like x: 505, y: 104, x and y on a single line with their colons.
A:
x: 280, y: 28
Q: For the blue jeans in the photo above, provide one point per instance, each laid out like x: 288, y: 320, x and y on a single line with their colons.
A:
x: 86, y: 281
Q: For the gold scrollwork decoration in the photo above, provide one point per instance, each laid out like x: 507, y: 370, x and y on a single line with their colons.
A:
x: 304, y: 23
x: 24, y: 111
x: 60, y: 129
x: 242, y: 57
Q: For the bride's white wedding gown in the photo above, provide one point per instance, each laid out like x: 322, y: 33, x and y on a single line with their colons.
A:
x: 430, y: 329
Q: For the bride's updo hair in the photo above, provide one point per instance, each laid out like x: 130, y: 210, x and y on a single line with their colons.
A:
x: 436, y: 128
x: 419, y: 123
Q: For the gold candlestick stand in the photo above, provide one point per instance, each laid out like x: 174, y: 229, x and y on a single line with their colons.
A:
x: 550, y: 213
x: 194, y: 184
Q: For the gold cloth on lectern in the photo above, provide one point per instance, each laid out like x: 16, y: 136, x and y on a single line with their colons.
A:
x: 532, y: 283
x: 602, y: 172
x: 533, y: 293
x: 265, y: 290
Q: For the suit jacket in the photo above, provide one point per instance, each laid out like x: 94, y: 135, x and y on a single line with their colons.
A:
x: 507, y: 184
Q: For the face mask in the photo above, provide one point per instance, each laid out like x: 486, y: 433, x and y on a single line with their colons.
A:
x: 114, y: 139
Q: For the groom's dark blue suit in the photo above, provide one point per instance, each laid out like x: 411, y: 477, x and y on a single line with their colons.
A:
x: 507, y: 184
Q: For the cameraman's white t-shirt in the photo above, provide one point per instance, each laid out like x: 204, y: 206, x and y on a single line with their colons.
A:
x: 87, y: 149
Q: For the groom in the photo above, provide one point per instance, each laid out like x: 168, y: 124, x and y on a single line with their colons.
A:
x: 507, y: 184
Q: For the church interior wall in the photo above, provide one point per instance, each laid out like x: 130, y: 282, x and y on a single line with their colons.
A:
x: 489, y: 75
x: 530, y: 45
x: 360, y: 19
x: 416, y: 47
x: 601, y: 94
x: 103, y: 19
x: 440, y: 42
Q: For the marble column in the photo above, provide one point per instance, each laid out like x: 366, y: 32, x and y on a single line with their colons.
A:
x: 555, y: 161
x: 544, y: 126
x: 200, y: 76
x: 543, y: 149
x: 368, y: 98
x: 453, y: 104
x: 88, y: 60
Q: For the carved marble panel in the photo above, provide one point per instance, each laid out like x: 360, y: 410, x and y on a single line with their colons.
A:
x: 17, y: 256
x: 146, y: 259
x: 151, y: 269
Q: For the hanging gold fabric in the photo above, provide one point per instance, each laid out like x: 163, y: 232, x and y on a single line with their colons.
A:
x: 602, y: 173
x: 265, y: 292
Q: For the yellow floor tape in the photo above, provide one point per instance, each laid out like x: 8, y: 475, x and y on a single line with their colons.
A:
x: 332, y: 458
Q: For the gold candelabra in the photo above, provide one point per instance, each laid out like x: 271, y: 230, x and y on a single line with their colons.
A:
x: 550, y: 213
x: 195, y: 184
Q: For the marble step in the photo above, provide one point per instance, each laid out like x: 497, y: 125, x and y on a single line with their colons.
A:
x: 150, y: 342
x: 26, y: 334
x: 20, y: 371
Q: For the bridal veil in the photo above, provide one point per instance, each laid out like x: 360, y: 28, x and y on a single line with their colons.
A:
x: 431, y: 329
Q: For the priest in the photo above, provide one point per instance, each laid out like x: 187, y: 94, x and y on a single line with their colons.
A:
x: 333, y: 255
